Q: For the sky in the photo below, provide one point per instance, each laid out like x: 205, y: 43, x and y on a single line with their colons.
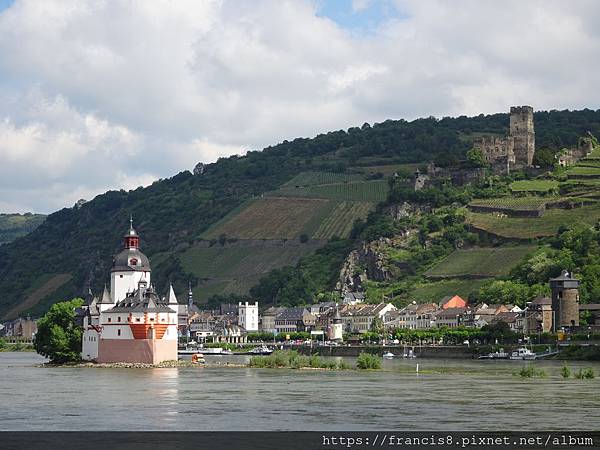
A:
x: 98, y: 95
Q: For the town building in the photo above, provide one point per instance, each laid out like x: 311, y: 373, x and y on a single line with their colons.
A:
x: 267, y: 319
x: 132, y: 323
x: 248, y: 316
x: 453, y: 301
x: 538, y: 315
x: 450, y: 317
x: 292, y: 320
x: 359, y: 318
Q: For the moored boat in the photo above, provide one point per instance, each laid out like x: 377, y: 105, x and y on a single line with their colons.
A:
x: 523, y: 353
x: 388, y: 355
x: 261, y: 350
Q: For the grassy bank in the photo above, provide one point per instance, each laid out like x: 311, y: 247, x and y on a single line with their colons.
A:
x: 291, y: 359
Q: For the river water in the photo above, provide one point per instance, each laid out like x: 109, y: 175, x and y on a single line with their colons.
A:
x: 445, y: 395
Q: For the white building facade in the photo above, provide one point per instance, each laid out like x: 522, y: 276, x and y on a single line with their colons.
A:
x: 248, y: 316
x: 131, y: 323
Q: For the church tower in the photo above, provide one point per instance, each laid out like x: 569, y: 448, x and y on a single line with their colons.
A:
x: 522, y: 134
x: 130, y: 267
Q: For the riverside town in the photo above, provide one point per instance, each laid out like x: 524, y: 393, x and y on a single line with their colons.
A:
x: 299, y: 224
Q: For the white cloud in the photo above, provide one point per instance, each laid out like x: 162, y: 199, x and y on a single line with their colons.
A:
x: 98, y: 95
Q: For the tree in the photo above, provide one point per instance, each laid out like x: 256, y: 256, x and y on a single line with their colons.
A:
x: 544, y: 157
x: 475, y: 158
x: 58, y: 337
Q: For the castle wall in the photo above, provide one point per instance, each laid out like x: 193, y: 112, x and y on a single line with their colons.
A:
x: 147, y: 351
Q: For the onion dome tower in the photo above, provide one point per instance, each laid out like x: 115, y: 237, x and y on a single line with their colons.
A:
x: 130, y: 267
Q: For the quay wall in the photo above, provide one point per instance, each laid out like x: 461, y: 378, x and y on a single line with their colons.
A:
x: 446, y: 352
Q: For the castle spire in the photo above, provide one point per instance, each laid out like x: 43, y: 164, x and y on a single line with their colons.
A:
x: 131, y: 239
x: 190, y: 295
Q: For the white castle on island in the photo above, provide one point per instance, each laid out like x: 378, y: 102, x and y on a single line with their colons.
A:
x: 131, y: 323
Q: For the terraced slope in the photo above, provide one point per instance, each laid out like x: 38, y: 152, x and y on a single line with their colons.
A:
x: 534, y: 227
x: 480, y: 262
x: 273, y: 218
x: 236, y: 267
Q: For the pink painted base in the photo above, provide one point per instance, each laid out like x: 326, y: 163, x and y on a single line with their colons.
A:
x: 147, y: 351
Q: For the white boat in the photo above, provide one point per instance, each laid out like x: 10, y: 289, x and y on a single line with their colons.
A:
x: 388, y: 355
x: 261, y: 350
x: 501, y: 354
x: 226, y: 351
x: 522, y: 353
x: 190, y: 350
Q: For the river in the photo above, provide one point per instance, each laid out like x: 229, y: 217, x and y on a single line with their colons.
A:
x: 446, y: 395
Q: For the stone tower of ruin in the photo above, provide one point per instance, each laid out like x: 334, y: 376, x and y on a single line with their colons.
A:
x: 522, y: 134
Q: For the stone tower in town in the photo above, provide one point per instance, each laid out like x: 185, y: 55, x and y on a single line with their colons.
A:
x: 522, y: 134
x: 565, y: 300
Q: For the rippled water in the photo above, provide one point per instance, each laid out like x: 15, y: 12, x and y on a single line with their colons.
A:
x: 446, y: 395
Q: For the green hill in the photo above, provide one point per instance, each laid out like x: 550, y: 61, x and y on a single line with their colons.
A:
x: 13, y: 226
x: 336, y: 178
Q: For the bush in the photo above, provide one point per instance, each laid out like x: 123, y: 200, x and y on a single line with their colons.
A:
x: 585, y: 374
x: 565, y: 372
x: 529, y: 371
x: 343, y: 365
x: 368, y: 361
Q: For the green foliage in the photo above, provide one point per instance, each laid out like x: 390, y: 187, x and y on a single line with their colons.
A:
x: 530, y: 371
x: 58, y: 337
x: 544, y: 157
x: 3, y: 344
x: 368, y: 361
x: 13, y: 226
x: 292, y: 360
x: 480, y: 262
x: 510, y: 292
x: 565, y: 372
x: 582, y: 353
x: 585, y: 374
x: 299, y: 285
x: 278, y: 337
x: 476, y: 158
x: 172, y: 212
x: 534, y: 186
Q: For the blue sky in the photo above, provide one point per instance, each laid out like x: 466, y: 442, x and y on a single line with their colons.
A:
x: 358, y: 15
x: 5, y: 4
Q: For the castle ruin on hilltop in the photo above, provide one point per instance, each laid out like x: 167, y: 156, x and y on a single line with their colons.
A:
x: 514, y: 151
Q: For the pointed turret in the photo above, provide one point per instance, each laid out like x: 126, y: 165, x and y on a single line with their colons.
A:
x: 105, y: 299
x: 190, y: 296
x: 171, y: 298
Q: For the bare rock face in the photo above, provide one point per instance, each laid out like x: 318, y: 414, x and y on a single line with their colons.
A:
x: 406, y: 209
x: 199, y: 169
x: 351, y: 274
x: 374, y: 260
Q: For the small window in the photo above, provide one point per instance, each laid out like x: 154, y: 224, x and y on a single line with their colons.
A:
x: 137, y: 319
x: 109, y: 319
x: 119, y: 319
x: 120, y: 276
x: 133, y: 262
x: 152, y: 319
x: 119, y: 332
